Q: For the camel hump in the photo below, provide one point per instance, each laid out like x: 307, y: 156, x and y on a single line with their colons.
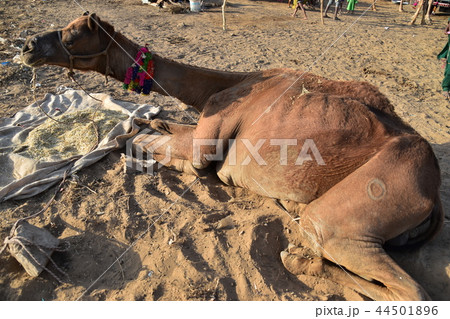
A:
x: 421, y: 234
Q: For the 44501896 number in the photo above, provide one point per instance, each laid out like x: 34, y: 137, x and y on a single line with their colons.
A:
x: 407, y: 310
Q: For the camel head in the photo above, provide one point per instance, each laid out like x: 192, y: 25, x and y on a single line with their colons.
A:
x: 80, y: 45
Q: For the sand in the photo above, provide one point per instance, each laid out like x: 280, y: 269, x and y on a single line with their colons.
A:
x: 178, y: 238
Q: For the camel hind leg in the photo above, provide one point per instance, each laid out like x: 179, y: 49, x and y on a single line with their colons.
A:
x: 379, y: 262
x: 392, y: 193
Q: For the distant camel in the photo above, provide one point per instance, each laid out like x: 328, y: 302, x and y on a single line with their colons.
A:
x: 364, y: 178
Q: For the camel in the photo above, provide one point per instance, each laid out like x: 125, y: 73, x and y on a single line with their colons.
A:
x: 426, y: 6
x: 335, y: 152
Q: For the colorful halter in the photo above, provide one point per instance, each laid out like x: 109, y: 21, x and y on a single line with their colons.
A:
x: 139, y: 77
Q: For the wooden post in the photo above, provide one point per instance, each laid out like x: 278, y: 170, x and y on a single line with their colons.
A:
x: 321, y: 12
x: 224, y: 22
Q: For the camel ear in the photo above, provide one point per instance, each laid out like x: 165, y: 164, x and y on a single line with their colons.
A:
x: 93, y: 22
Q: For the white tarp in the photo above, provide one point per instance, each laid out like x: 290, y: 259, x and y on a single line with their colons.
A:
x: 23, y: 177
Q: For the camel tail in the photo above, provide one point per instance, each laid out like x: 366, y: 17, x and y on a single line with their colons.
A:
x: 423, y: 233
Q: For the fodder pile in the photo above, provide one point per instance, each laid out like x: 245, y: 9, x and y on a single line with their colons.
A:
x: 71, y: 134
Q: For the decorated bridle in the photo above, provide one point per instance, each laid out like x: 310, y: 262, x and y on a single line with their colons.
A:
x: 139, y: 76
x: 72, y: 57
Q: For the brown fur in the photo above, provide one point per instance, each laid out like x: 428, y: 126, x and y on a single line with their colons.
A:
x: 380, y: 180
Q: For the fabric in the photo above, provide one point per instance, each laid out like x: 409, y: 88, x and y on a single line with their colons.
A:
x: 351, y: 5
x: 444, y: 54
x: 23, y: 177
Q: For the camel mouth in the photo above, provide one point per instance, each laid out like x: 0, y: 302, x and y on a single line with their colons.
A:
x: 29, y: 60
x: 32, y: 54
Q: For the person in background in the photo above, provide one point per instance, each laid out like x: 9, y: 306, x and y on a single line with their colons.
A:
x: 300, y: 6
x: 337, y: 4
x: 351, y: 6
x: 444, y: 55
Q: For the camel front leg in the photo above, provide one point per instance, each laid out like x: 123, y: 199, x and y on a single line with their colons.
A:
x: 177, y: 148
x: 166, y: 151
x: 165, y: 127
x: 170, y: 148
x: 199, y: 144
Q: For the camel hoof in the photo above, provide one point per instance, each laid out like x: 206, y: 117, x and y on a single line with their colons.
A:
x: 140, y: 121
x: 292, y: 263
x: 297, y: 265
x: 198, y: 165
x: 160, y: 126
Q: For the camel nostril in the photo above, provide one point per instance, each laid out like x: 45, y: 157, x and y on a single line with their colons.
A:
x: 26, y: 48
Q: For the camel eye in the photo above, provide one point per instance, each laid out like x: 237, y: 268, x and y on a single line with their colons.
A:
x: 68, y: 43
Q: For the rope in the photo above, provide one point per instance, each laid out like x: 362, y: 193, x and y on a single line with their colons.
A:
x: 70, y: 75
x: 33, y: 90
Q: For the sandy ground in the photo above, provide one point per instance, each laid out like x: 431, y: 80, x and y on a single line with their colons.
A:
x: 215, y: 242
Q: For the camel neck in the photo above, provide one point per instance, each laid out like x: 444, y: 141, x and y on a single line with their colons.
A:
x: 190, y: 84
